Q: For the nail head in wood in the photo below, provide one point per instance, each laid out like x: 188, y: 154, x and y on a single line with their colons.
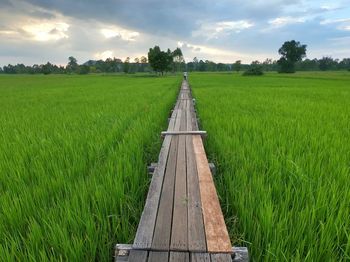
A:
x: 151, y: 168
x: 212, y: 168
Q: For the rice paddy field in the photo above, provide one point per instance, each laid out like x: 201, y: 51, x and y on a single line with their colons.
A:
x: 74, y: 151
x: 73, y: 156
x: 282, y: 147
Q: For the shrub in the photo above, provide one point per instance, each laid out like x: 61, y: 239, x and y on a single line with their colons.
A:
x: 255, y: 69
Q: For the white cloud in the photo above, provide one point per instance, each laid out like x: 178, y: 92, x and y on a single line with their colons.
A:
x: 218, y: 54
x: 286, y: 20
x: 343, y: 24
x: 124, y: 34
x: 104, y: 55
x: 46, y: 31
x: 180, y: 44
x: 223, y: 28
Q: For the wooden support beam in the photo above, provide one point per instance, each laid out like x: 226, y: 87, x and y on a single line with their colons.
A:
x: 194, y: 132
x: 240, y: 254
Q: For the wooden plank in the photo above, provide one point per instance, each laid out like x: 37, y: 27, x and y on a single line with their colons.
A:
x: 145, y: 230
x: 144, y: 234
x: 138, y: 255
x: 217, y: 237
x: 221, y: 257
x: 200, y: 257
x: 179, y: 257
x: 196, y: 234
x: 156, y: 256
x: 162, y: 232
x: 179, y: 233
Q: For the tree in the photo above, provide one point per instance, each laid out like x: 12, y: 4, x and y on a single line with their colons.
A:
x: 326, y: 63
x: 237, y: 65
x: 344, y: 64
x: 72, y: 65
x: 47, y: 68
x: 291, y: 52
x: 178, y: 60
x: 143, y: 60
x: 267, y: 64
x: 159, y: 60
x: 201, y: 66
x: 126, y: 65
x: 195, y: 64
x: 84, y: 69
x: 255, y: 69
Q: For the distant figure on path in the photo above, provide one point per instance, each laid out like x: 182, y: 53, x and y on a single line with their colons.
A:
x: 185, y: 75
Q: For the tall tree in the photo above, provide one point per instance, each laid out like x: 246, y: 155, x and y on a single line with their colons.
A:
x: 143, y: 60
x: 159, y: 60
x: 291, y: 52
x: 126, y: 65
x: 178, y: 60
x: 72, y: 66
x: 237, y: 66
x: 326, y: 63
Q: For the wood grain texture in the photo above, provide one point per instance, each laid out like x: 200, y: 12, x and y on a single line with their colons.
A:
x: 217, y: 237
x: 162, y: 232
x: 179, y: 234
x: 138, y: 256
x: 221, y: 257
x: 200, y: 257
x: 179, y: 257
x: 196, y: 234
x: 145, y: 230
x: 155, y: 256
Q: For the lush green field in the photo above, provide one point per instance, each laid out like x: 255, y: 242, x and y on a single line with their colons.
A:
x: 282, y: 145
x: 72, y: 162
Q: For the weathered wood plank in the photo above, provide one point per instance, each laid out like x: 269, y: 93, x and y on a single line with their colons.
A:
x: 221, y: 257
x: 162, y: 232
x: 156, y: 256
x: 196, y: 234
x: 145, y: 230
x: 217, y: 237
x: 200, y: 257
x: 179, y: 257
x: 179, y: 234
x: 138, y: 255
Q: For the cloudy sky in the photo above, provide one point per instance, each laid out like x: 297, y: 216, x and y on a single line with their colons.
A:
x: 37, y: 31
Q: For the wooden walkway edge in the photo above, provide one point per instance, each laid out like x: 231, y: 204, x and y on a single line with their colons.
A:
x: 182, y: 218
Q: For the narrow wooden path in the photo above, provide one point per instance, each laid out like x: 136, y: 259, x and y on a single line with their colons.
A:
x: 182, y: 219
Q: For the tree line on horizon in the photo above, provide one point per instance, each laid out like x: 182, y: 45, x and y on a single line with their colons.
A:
x: 160, y: 62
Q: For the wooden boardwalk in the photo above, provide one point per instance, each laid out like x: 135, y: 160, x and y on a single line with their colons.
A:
x: 182, y: 219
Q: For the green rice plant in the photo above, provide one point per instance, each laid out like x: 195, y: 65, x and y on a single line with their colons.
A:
x: 73, y: 156
x: 282, y: 147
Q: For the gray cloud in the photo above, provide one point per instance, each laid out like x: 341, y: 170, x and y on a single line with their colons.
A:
x: 219, y: 30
